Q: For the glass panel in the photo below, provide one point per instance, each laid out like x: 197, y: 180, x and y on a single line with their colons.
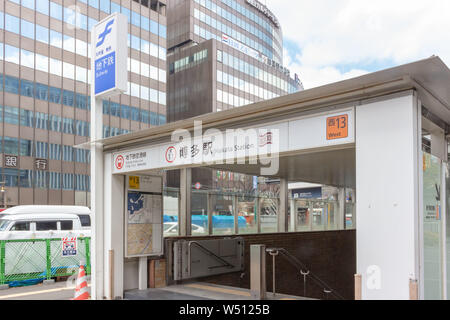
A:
x: 269, y: 211
x: 350, y: 209
x: 222, y: 214
x: 21, y: 226
x: 171, y: 211
x: 46, y: 225
x: 323, y: 215
x: 26, y: 178
x: 303, y: 215
x: 331, y: 211
x: 199, y: 213
x: 432, y: 227
x: 247, y: 219
x: 66, y: 225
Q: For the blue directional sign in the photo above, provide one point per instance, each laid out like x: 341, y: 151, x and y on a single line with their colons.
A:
x: 105, y: 73
x: 109, y: 55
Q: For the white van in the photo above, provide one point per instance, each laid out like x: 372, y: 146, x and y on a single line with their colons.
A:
x: 36, y: 222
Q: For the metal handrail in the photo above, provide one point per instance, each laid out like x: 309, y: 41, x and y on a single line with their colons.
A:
x: 209, y: 252
x: 304, y: 271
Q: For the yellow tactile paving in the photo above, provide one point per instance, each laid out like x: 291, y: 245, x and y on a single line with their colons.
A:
x: 221, y: 290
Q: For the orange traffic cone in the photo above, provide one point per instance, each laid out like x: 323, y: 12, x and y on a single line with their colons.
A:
x: 81, y: 290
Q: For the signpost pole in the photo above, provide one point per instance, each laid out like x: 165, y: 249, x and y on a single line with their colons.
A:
x: 109, y: 77
x: 96, y: 198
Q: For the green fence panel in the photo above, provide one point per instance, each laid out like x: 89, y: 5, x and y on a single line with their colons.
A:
x: 66, y: 266
x: 37, y: 259
x: 2, y: 262
x: 88, y: 255
x: 25, y: 260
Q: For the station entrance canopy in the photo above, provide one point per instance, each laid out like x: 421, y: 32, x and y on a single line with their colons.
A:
x: 364, y: 133
x: 298, y: 124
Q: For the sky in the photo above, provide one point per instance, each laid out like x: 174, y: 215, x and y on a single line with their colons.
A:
x: 331, y: 40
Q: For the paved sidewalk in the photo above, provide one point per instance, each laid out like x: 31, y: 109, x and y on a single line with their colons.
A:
x: 54, y: 291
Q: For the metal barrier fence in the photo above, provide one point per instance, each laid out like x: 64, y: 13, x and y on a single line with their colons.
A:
x: 33, y: 260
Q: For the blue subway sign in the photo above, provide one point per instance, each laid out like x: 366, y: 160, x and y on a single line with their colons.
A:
x: 110, y: 56
x: 105, y: 73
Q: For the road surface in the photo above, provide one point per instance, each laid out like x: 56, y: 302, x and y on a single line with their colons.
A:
x: 55, y: 291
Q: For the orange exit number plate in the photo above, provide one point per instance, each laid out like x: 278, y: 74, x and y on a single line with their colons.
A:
x: 337, y: 127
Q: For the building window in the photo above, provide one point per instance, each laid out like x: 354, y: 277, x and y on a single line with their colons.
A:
x: 105, y: 107
x: 11, y: 177
x: 26, y: 148
x: 11, y: 83
x: 55, y: 95
x: 42, y: 6
x: 125, y: 112
x: 115, y: 109
x: 67, y: 183
x: 11, y: 114
x: 68, y: 126
x: 10, y: 145
x: 134, y: 114
x: 26, y: 88
x: 55, y: 180
x: 40, y: 179
x: 55, y: 151
x: 41, y: 121
x: 68, y: 153
x: 68, y: 98
x: 41, y: 91
x: 55, y: 38
x: 55, y: 123
x: 11, y: 23
x: 41, y: 149
x: 26, y: 178
x: 26, y: 118
x: 81, y: 102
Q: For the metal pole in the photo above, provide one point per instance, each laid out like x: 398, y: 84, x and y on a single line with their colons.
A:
x: 273, y: 274
x: 273, y: 253
x: 304, y: 274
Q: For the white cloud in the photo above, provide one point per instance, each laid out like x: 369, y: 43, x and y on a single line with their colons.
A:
x: 334, y: 34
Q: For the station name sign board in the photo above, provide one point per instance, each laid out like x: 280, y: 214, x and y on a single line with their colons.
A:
x: 109, y: 55
x: 304, y: 133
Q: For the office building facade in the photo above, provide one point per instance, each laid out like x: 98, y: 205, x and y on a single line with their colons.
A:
x: 45, y: 88
x: 223, y: 54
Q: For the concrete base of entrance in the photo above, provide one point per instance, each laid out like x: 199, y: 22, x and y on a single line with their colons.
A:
x: 4, y: 286
x: 47, y: 282
x: 200, y: 291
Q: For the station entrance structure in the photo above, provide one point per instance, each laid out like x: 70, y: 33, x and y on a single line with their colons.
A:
x: 383, y: 134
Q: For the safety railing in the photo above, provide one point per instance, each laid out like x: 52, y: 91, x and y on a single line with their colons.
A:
x: 208, y: 252
x: 30, y: 261
x: 303, y: 270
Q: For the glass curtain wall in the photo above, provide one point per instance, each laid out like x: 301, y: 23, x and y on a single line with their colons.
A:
x: 171, y: 207
x: 432, y: 227
x: 228, y: 203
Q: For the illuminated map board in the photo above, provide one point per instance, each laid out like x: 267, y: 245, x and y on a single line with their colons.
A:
x: 143, y: 216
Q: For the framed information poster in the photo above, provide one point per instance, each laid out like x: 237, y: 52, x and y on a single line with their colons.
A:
x: 143, y: 216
